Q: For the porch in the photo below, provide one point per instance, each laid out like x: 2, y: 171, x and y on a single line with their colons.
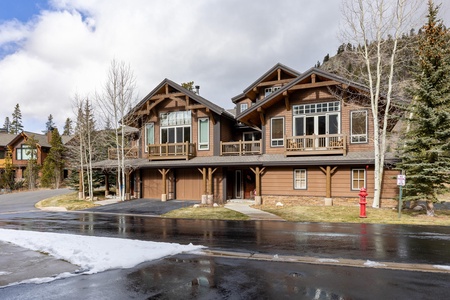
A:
x: 241, y: 148
x: 167, y: 151
x: 130, y: 153
x: 316, y: 144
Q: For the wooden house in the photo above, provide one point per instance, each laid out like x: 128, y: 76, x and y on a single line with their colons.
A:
x: 294, y: 137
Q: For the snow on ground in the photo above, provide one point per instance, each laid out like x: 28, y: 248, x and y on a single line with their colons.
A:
x: 94, y: 254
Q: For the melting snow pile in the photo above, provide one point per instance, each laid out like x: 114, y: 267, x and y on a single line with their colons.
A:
x: 94, y: 254
x: 370, y: 263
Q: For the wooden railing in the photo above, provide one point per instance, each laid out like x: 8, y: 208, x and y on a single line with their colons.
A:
x: 130, y: 153
x: 240, y: 148
x: 171, y: 151
x: 315, y: 144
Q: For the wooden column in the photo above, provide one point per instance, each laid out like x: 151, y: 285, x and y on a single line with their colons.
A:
x: 209, y: 190
x: 127, y: 184
x: 204, y: 184
x: 164, y: 183
x: 258, y: 172
x: 328, y: 172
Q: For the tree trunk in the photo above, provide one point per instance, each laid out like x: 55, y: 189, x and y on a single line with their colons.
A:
x: 430, y: 209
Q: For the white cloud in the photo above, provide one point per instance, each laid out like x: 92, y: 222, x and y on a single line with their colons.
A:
x: 222, y: 45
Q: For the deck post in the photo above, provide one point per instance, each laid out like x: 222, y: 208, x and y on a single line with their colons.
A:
x: 204, y: 194
x: 164, y: 183
x: 328, y: 173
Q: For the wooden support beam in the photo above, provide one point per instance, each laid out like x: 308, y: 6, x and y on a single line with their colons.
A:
x: 164, y: 177
x: 270, y: 83
x: 313, y: 78
x: 328, y: 172
x: 261, y: 115
x: 279, y: 74
x: 204, y: 182
x: 313, y: 85
x: 258, y: 172
x: 210, y: 181
x: 286, y: 103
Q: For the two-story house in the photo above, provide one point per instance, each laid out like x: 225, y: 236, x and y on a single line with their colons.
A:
x: 299, y: 137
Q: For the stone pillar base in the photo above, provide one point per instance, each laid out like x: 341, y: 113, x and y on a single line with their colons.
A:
x: 328, y: 201
x: 210, y: 199
x: 163, y: 197
x: 258, y: 200
x: 204, y: 199
x: 127, y: 196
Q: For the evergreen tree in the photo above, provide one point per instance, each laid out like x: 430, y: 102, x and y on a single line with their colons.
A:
x: 425, y: 155
x: 16, y: 123
x: 7, y: 125
x: 50, y: 124
x: 54, y: 162
x: 68, y: 130
x: 7, y: 176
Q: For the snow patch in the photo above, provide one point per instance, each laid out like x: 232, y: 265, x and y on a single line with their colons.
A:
x: 328, y: 260
x: 2, y: 273
x: 442, y: 267
x: 94, y: 254
x: 370, y: 263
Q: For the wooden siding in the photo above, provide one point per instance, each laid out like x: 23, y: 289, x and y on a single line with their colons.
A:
x: 151, y: 183
x: 280, y: 181
x: 189, y: 184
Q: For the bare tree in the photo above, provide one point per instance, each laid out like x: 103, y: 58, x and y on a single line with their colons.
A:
x: 377, y: 26
x: 115, y: 102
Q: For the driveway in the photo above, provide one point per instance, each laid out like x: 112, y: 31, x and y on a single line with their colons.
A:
x: 152, y: 207
x: 25, y: 201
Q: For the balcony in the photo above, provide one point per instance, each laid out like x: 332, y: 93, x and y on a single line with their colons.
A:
x: 240, y: 148
x: 316, y: 144
x: 130, y: 153
x: 171, y: 151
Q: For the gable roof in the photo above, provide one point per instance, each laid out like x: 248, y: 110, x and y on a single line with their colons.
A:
x: 213, y: 107
x: 322, y: 76
x: 267, y: 76
x: 42, y: 140
x: 6, y: 138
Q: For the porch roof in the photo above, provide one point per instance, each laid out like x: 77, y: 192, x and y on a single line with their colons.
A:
x: 352, y: 158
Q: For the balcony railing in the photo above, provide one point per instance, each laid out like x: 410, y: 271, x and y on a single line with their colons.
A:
x: 315, y: 144
x: 130, y: 153
x: 171, y: 151
x: 240, y: 148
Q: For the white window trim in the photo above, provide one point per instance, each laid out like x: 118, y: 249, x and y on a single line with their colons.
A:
x: 284, y: 131
x: 365, y: 178
x: 199, y: 135
x: 358, y: 136
x: 300, y: 172
x: 145, y: 135
x: 243, y: 107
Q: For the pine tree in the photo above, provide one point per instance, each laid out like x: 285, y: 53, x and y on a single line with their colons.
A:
x: 7, y: 176
x: 425, y: 155
x: 7, y: 125
x: 16, y: 123
x: 50, y: 124
x: 32, y: 170
x: 68, y: 127
x: 54, y: 162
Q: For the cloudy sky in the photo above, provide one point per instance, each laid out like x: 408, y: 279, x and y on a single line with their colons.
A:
x: 51, y: 50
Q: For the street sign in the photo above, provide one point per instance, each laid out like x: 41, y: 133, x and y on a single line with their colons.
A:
x: 401, y: 180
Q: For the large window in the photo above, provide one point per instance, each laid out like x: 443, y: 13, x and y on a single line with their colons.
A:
x: 316, y: 118
x: 203, y: 134
x: 243, y: 107
x: 358, y: 179
x: 176, y: 127
x: 300, y: 179
x: 25, y: 152
x: 270, y: 90
x: 359, y: 126
x: 277, y: 132
x: 149, y: 135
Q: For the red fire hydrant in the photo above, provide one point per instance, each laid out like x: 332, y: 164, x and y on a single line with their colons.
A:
x: 362, y: 203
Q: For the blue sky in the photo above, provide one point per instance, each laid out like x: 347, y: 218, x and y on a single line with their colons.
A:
x: 23, y: 10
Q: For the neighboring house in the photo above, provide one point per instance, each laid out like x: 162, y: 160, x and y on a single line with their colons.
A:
x: 295, y: 137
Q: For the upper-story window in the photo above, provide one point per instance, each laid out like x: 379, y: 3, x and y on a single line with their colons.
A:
x: 270, y: 90
x: 316, y: 118
x: 176, y: 127
x: 2, y: 154
x: 243, y: 107
x: 149, y: 135
x: 203, y: 134
x: 277, y: 132
x: 25, y: 152
x: 358, y: 124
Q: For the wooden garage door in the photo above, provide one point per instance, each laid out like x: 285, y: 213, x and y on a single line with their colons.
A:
x: 189, y: 184
x: 151, y: 183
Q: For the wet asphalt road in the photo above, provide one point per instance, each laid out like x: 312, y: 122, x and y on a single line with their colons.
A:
x: 197, y: 277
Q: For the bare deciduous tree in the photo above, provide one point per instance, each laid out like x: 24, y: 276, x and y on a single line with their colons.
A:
x: 115, y: 102
x: 376, y: 26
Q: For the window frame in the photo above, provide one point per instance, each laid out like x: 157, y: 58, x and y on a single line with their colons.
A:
x: 278, y: 140
x: 301, y: 180
x: 200, y: 144
x: 22, y: 149
x: 243, y: 107
x: 146, y: 142
x: 359, y: 136
x: 358, y: 188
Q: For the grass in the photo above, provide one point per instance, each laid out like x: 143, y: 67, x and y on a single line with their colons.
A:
x: 68, y: 201
x: 350, y: 214
x: 208, y: 213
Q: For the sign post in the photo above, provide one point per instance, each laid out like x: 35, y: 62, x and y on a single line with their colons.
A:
x: 401, y: 180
